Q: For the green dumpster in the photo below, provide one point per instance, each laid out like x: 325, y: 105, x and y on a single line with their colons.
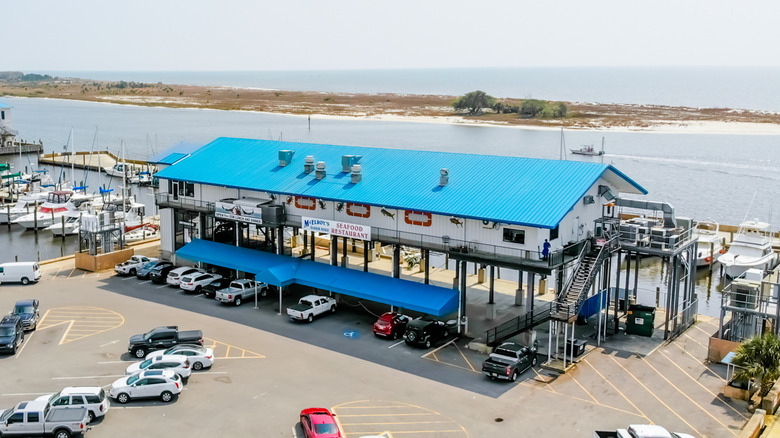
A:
x: 640, y: 320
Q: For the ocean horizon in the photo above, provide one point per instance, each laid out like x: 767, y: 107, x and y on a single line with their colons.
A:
x: 750, y: 88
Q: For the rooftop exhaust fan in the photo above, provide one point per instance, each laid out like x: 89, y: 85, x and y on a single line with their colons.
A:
x: 308, y: 165
x: 444, y: 177
x: 320, y: 172
x: 357, y: 174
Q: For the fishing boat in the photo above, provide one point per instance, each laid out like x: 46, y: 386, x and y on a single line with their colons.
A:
x: 58, y: 202
x: 709, y: 244
x: 121, y: 169
x: 750, y: 249
x: 68, y: 227
x: 587, y: 150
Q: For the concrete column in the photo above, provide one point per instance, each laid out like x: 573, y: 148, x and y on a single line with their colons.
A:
x: 530, y: 294
x: 312, y: 245
x: 305, y: 241
x: 519, y: 291
x: 491, y: 305
x: 366, y: 249
x: 344, y: 252
x: 427, y: 256
x: 396, y: 261
x: 462, y: 296
x: 334, y: 250
x: 280, y: 239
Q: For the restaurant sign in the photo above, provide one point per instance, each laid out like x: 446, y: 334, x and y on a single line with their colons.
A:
x: 241, y: 210
x: 335, y: 228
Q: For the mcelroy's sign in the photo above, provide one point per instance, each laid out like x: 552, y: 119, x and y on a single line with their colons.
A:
x: 335, y: 228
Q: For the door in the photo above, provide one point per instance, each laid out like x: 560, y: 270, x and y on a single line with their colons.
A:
x: 175, y: 190
x: 139, y: 388
x: 15, y: 424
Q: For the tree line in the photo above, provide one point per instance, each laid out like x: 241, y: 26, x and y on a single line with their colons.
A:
x: 476, y: 102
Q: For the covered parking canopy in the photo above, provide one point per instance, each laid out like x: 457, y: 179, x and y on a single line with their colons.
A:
x: 282, y: 271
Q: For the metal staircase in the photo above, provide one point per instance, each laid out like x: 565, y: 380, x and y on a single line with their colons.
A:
x: 573, y: 294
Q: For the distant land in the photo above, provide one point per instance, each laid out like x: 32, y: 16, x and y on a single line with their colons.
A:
x: 426, y: 108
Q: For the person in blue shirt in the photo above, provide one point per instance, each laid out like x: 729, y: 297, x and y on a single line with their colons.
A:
x: 545, y: 249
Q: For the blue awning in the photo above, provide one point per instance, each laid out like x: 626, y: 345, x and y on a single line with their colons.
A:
x: 282, y: 271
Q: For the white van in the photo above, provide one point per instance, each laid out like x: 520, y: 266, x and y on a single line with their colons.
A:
x: 20, y: 272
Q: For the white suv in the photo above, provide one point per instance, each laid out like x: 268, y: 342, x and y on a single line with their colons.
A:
x: 147, y: 384
x: 91, y: 397
x: 196, y: 281
x: 174, y: 277
x: 177, y: 363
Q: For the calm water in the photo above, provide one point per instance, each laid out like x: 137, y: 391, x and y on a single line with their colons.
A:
x: 724, y: 177
x: 730, y: 87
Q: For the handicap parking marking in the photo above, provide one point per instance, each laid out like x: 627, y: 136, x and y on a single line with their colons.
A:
x: 386, y: 418
x: 81, y: 321
x: 224, y: 350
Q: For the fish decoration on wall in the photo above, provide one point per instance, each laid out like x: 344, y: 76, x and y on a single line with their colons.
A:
x: 387, y: 213
x: 322, y: 203
x: 289, y: 200
x: 340, y: 206
x: 456, y: 221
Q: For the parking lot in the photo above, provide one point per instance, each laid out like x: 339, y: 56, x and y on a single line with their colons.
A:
x: 268, y: 368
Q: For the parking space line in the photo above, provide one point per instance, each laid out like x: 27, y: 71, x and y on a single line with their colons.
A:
x: 696, y: 326
x: 82, y: 321
x: 87, y: 377
x: 146, y: 282
x: 397, y: 343
x: 655, y: 396
x: 546, y: 384
x: 19, y: 394
x: 583, y: 388
x: 132, y: 277
x: 616, y: 389
x: 694, y: 340
x: 706, y: 367
x: 688, y: 397
x: 26, y: 341
x: 58, y: 272
x: 160, y: 287
x: 71, y: 272
x: 439, y: 348
x: 464, y: 358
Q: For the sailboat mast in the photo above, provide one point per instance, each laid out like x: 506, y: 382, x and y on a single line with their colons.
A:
x: 602, y: 150
x: 72, y: 158
x: 124, y: 189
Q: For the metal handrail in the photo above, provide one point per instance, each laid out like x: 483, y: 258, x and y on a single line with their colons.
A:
x: 585, y: 249
x: 573, y: 308
x: 182, y: 202
x: 537, y: 316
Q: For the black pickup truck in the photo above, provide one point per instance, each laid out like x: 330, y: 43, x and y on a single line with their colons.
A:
x: 509, y: 360
x: 160, y: 338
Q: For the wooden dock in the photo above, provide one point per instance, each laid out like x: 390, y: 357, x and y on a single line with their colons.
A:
x: 89, y: 160
x: 26, y: 148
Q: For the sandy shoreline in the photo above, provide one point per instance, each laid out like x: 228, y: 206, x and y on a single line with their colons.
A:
x: 429, y: 109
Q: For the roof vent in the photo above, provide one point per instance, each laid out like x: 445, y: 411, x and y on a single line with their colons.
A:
x: 357, y: 174
x: 285, y: 157
x: 308, y: 165
x: 320, y: 173
x: 347, y: 161
x: 444, y: 177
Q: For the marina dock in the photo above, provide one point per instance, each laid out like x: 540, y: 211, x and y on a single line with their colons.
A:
x: 100, y: 160
x: 26, y: 148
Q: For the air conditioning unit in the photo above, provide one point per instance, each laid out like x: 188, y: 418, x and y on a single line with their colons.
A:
x: 588, y: 199
x: 489, y: 224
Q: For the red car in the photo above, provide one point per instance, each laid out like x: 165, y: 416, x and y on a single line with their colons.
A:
x: 391, y: 325
x: 319, y: 423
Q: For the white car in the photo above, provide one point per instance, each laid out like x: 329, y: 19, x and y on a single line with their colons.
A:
x: 146, y: 384
x: 196, y: 281
x: 199, y: 356
x: 174, y: 277
x: 91, y: 397
x: 131, y: 266
x: 174, y: 362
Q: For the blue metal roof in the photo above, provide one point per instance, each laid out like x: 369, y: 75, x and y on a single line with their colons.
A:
x: 281, y: 270
x: 516, y: 190
x: 4, y: 105
x: 175, y: 153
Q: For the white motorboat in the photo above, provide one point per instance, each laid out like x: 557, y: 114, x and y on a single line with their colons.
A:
x: 121, y: 169
x: 71, y: 224
x: 750, y: 249
x: 57, y: 204
x: 710, y: 245
x: 142, y: 232
x: 23, y: 206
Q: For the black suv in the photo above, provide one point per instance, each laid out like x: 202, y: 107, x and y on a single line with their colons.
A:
x: 11, y: 333
x: 210, y: 290
x: 424, y: 331
x: 27, y: 311
x: 160, y: 272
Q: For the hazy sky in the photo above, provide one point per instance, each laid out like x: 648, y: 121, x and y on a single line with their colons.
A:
x: 363, y: 34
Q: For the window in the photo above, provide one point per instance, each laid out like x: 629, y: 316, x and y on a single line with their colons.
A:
x: 189, y: 189
x: 514, y: 236
x: 33, y: 417
x: 2, y: 115
x: 1, y: 269
x: 62, y: 401
x: 15, y: 418
x: 554, y: 233
x: 77, y: 400
x: 93, y: 399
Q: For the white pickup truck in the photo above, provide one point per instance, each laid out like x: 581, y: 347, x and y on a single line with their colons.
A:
x: 131, y: 266
x: 36, y: 418
x: 310, y: 306
x: 240, y: 290
x: 640, y: 431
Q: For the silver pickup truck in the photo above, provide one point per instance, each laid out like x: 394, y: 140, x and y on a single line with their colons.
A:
x: 37, y: 418
x: 240, y: 290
